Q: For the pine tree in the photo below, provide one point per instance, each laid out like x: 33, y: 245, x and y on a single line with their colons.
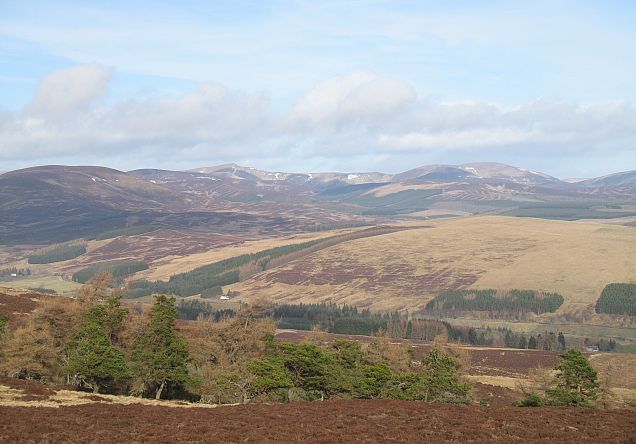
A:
x: 472, y: 336
x: 439, y: 380
x: 159, y: 355
x: 532, y: 343
x: 577, y: 382
x: 522, y: 342
x: 93, y: 359
x: 561, y: 341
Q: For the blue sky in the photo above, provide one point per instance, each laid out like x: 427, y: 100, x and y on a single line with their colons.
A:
x: 330, y: 85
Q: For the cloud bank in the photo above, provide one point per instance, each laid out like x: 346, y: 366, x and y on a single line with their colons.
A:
x: 357, y: 121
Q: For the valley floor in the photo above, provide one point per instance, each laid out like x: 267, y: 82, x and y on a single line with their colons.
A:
x: 318, y: 422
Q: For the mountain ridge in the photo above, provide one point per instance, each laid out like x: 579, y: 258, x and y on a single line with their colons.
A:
x: 56, y: 202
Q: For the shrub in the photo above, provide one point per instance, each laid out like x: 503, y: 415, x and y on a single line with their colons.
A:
x: 530, y: 401
x: 43, y: 290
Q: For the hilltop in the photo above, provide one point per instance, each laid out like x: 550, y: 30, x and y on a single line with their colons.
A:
x: 57, y: 203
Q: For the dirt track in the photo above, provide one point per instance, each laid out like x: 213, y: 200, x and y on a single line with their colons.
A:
x: 319, y: 422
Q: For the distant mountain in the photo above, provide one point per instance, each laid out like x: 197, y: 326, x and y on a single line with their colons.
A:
x: 226, y: 186
x: 109, y: 186
x: 440, y: 173
x: 69, y: 201
x: 625, y: 179
x: 476, y: 171
x: 56, y: 203
x: 234, y: 171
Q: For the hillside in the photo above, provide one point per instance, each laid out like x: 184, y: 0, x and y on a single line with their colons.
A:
x: 55, y: 203
x: 64, y: 202
x: 313, y: 180
x: 625, y: 179
x: 476, y: 171
x: 406, y: 269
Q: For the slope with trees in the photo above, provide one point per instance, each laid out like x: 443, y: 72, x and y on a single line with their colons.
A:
x: 618, y: 299
x: 512, y: 304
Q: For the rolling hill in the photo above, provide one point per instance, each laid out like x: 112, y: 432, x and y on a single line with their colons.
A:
x: 59, y: 202
x: 404, y: 270
x: 625, y: 179
x: 56, y: 203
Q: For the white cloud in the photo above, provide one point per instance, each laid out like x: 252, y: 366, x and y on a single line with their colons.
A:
x: 359, y: 97
x: 357, y: 121
x: 69, y: 90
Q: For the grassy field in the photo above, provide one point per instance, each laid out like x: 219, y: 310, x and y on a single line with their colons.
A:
x: 51, y: 282
x: 534, y: 328
x: 404, y: 270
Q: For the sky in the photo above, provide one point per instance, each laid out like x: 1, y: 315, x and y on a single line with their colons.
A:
x: 319, y: 86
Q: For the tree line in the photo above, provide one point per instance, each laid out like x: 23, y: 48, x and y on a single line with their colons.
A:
x: 218, y: 274
x: 9, y: 272
x: 350, y: 320
x: 329, y: 317
x: 57, y: 254
x: 232, y: 270
x: 504, y: 337
x: 126, y: 231
x: 197, y: 310
x: 618, y: 299
x: 117, y: 269
x: 515, y: 304
x: 97, y: 344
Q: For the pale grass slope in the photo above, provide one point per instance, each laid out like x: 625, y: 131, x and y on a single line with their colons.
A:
x: 406, y: 269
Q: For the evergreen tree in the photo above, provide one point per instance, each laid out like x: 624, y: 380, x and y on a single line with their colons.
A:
x: 270, y: 375
x: 561, y: 341
x: 472, y: 336
x: 159, y: 355
x: 509, y: 340
x: 522, y: 342
x: 93, y: 359
x: 439, y: 380
x: 532, y: 343
x: 409, y: 330
x: 576, y: 379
